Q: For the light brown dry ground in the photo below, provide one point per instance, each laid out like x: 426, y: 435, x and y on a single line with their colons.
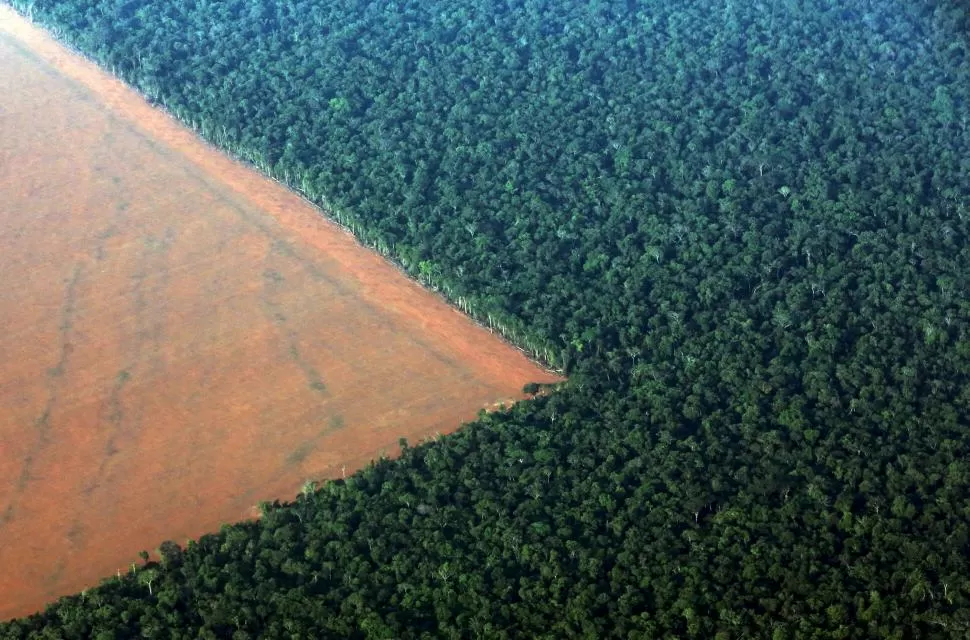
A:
x: 182, y: 338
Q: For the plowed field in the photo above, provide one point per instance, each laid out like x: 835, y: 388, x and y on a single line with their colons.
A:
x: 181, y: 338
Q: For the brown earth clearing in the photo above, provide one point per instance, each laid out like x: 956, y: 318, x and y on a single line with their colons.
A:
x: 182, y: 338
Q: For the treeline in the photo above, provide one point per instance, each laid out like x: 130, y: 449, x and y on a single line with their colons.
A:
x: 740, y: 227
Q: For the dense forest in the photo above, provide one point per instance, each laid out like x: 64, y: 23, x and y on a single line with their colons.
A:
x: 741, y: 228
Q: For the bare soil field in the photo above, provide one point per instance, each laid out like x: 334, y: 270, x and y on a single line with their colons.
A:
x: 183, y: 338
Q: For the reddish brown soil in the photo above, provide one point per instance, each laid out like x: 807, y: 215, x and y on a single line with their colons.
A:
x: 182, y: 338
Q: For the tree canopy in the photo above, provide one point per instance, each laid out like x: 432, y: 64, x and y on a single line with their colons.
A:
x: 740, y: 227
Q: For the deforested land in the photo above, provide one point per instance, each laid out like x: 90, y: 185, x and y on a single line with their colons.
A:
x: 183, y: 338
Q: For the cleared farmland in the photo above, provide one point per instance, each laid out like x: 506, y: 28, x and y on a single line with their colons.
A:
x: 183, y: 338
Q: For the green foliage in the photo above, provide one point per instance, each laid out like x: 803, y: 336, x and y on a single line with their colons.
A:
x: 742, y: 229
